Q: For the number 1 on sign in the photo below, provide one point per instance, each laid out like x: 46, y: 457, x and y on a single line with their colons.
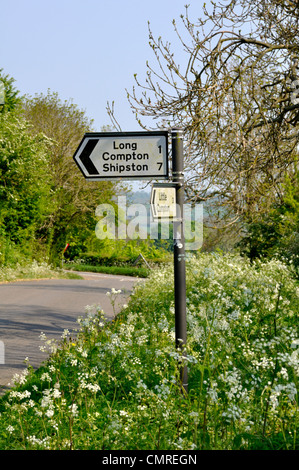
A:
x: 158, y: 163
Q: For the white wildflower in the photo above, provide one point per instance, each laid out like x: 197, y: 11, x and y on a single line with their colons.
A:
x: 65, y: 333
x: 74, y: 409
x: 50, y: 412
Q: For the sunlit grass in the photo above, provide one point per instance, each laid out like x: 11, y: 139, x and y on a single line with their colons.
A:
x: 115, y: 270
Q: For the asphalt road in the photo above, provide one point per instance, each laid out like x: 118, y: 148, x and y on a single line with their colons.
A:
x: 28, y: 308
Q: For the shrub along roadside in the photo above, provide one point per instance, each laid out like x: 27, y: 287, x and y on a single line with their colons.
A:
x: 115, y: 385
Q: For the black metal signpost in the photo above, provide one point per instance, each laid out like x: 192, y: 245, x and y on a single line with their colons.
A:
x: 179, y: 252
x: 144, y: 155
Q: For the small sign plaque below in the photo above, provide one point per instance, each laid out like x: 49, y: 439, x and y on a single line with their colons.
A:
x: 163, y: 202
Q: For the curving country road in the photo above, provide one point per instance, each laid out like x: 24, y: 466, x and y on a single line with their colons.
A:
x: 28, y: 308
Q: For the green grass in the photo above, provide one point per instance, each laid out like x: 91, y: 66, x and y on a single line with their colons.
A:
x: 33, y: 270
x: 124, y: 271
x: 114, y: 385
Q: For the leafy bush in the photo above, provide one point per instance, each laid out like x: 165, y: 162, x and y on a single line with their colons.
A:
x: 276, y: 233
x: 93, y: 259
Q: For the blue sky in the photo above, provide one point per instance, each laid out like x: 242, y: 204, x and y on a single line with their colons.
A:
x: 87, y: 51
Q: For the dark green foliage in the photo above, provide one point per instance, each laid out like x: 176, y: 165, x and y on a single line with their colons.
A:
x: 277, y: 232
x: 44, y: 200
x: 11, y: 94
x: 24, y: 185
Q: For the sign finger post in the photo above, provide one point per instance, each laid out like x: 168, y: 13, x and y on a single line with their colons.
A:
x: 144, y: 156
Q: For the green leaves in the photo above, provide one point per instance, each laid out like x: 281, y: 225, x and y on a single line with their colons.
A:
x: 24, y: 185
x: 276, y: 233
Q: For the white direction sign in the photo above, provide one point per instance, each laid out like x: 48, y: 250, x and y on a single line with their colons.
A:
x: 163, y: 202
x: 123, y: 155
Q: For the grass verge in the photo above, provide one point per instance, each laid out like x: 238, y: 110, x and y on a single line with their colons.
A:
x: 121, y: 270
x: 116, y: 386
x: 34, y: 270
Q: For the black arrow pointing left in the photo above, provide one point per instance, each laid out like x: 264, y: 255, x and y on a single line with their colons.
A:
x: 85, y: 156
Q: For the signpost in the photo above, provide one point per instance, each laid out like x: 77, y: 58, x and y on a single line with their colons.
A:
x: 123, y: 155
x: 142, y: 156
x: 179, y: 252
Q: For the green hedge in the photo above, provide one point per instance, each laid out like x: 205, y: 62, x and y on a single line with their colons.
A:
x: 122, y: 270
x: 93, y: 259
